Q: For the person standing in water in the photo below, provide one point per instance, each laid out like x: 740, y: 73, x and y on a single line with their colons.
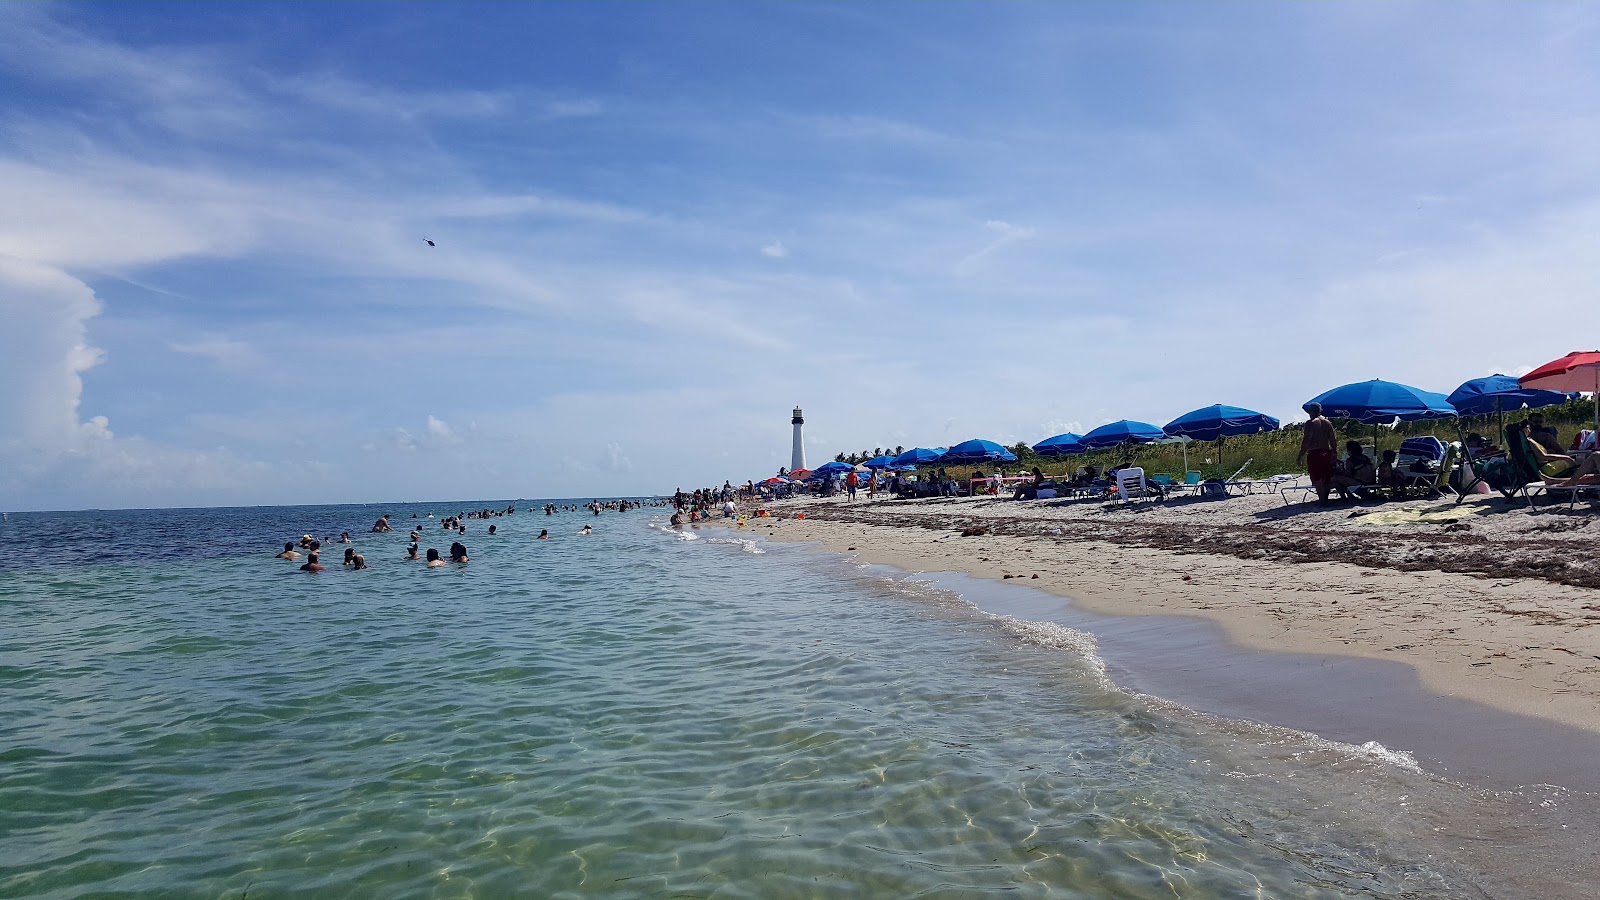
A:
x: 434, y: 561
x: 313, y: 563
x: 289, y: 552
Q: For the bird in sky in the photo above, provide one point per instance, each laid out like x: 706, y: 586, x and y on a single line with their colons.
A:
x: 430, y: 243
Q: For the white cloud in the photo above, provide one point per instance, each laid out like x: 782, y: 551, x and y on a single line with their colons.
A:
x: 441, y: 432
x: 775, y: 250
x: 1006, y: 232
x: 224, y: 351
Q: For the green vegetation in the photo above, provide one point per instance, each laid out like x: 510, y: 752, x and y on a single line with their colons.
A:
x: 1272, y: 453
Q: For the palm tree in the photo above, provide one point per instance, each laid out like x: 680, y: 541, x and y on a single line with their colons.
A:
x: 839, y: 458
x: 898, y: 449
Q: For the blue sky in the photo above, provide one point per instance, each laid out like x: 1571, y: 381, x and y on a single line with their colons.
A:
x: 660, y: 226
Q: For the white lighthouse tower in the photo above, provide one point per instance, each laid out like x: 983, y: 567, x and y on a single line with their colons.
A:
x: 797, y: 459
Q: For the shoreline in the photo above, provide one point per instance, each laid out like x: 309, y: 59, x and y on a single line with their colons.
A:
x: 1466, y: 671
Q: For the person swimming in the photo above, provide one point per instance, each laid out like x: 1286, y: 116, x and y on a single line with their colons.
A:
x: 349, y: 556
x: 288, y: 551
x: 586, y: 530
x: 358, y: 562
x: 491, y: 529
x: 458, y: 552
x: 411, y: 551
x: 544, y: 534
x: 313, y: 563
x: 434, y: 561
x: 305, y: 542
x: 344, y: 537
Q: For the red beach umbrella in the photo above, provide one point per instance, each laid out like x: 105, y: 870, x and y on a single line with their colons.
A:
x: 1577, y: 371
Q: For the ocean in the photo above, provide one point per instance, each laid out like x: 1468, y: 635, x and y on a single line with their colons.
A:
x: 648, y: 713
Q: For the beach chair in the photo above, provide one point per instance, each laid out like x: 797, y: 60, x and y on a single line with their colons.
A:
x: 1247, y: 486
x: 1522, y: 472
x: 1131, y: 484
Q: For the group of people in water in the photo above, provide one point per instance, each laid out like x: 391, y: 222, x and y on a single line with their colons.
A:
x: 311, y: 548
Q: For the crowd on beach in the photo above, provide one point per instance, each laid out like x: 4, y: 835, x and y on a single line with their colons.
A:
x: 1531, y: 453
x: 455, y: 525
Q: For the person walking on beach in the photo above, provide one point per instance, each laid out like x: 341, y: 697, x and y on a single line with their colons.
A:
x: 850, y: 482
x: 1319, y: 451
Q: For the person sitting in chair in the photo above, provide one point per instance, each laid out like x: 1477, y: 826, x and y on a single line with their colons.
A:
x: 1550, y: 465
x: 1029, y: 490
x: 1355, y: 473
x: 1388, y: 476
x: 1543, y: 435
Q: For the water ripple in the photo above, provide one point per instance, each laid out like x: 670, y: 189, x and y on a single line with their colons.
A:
x: 629, y: 714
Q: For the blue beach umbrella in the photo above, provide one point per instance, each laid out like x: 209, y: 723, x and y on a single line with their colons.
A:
x: 1217, y: 421
x: 1061, y: 445
x: 977, y: 451
x: 918, y: 456
x: 831, y: 468
x: 885, y: 461
x: 1122, y: 431
x: 1379, y: 402
x: 1498, y: 393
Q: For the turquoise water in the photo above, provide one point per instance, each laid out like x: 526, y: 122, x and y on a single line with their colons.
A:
x: 636, y: 713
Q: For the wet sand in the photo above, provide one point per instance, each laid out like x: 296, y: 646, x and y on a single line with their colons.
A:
x: 1522, y: 644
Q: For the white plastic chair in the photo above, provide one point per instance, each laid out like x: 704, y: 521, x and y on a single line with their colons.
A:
x: 1130, y: 484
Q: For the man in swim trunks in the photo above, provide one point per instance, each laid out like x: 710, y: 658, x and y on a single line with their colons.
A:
x: 1319, y: 450
x: 288, y: 551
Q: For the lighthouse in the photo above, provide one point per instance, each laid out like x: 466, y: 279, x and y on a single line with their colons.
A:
x: 797, y: 459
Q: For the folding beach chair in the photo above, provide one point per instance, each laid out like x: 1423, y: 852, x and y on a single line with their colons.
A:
x: 1247, y: 486
x: 1131, y: 484
x: 1523, y: 471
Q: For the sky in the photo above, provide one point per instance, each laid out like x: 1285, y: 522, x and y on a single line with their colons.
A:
x: 659, y: 227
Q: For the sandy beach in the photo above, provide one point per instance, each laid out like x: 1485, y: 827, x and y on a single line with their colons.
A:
x: 1485, y: 601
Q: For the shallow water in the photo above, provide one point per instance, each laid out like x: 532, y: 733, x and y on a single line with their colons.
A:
x: 646, y: 713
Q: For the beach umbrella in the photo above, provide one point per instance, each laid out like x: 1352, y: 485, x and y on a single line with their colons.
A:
x: 885, y: 461
x: 1379, y: 402
x: 1061, y: 445
x: 799, y: 474
x: 831, y: 468
x: 918, y: 456
x: 775, y: 480
x: 1217, y: 421
x: 1577, y: 371
x: 1498, y: 393
x: 975, y: 450
x: 1122, y: 431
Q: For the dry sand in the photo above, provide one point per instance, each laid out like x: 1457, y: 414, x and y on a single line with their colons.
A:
x: 1484, y: 600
